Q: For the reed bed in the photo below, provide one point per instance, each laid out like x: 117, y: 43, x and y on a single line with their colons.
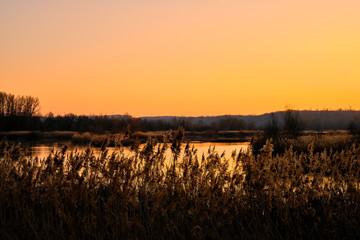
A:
x: 77, y: 195
x: 331, y: 141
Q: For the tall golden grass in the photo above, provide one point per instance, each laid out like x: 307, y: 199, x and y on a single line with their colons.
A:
x: 77, y: 195
x: 330, y: 141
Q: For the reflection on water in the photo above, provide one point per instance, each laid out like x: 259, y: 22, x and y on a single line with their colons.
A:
x: 42, y: 151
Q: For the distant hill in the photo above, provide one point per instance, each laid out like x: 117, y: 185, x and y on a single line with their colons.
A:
x: 313, y: 120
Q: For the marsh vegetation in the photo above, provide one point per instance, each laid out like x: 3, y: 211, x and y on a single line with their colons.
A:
x: 77, y: 195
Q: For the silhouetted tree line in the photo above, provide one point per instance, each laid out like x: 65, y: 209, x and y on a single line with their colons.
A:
x: 22, y: 113
x: 291, y: 127
x: 100, y: 124
x: 97, y: 124
x: 290, y: 123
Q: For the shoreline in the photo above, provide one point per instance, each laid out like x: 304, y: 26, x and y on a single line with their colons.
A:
x: 84, y: 138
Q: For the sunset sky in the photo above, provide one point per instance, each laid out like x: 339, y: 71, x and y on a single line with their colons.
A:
x: 181, y: 57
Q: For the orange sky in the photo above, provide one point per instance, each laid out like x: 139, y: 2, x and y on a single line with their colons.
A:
x: 181, y: 57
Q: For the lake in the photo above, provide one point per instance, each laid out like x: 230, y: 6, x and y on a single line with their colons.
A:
x: 43, y: 150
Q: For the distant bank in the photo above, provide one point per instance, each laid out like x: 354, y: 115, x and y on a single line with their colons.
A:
x: 313, y: 120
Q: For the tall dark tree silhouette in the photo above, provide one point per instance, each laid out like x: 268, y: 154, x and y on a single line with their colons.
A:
x: 293, y: 124
x: 272, y: 128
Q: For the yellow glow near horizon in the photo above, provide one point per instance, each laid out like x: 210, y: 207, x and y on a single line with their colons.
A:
x: 189, y: 57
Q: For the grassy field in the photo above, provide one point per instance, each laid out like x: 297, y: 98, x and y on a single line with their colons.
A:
x: 72, y: 195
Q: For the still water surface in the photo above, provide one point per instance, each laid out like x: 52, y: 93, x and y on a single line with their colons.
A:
x: 42, y: 151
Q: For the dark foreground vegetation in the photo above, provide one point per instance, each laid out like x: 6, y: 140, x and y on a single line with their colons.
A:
x: 73, y: 195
